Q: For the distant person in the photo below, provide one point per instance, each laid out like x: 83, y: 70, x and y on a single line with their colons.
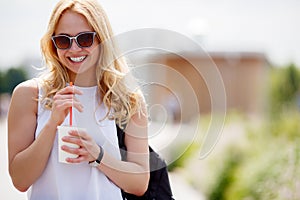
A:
x: 77, y: 47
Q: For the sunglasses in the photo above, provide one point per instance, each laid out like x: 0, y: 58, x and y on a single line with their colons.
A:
x: 83, y: 40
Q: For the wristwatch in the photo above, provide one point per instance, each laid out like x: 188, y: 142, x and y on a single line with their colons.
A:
x: 97, y: 162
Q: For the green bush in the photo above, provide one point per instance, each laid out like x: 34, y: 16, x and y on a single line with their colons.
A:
x: 286, y: 126
x: 267, y: 167
x: 283, y: 89
x: 267, y: 164
x: 226, y: 176
x: 186, y: 151
x: 271, y: 173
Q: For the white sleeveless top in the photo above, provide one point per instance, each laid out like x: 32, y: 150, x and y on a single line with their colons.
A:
x: 61, y: 181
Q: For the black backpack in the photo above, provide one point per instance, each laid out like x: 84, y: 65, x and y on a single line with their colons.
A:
x: 159, y: 185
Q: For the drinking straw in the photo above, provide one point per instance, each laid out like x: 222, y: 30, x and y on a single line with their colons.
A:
x: 71, y: 109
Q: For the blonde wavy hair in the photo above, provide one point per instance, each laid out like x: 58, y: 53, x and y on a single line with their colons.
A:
x: 111, y: 68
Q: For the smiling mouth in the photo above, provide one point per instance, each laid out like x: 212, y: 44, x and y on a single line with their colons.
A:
x: 77, y: 59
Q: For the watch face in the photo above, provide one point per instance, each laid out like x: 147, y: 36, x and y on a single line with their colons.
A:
x: 94, y: 164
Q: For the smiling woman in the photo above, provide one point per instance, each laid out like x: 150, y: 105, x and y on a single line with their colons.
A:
x: 85, y: 51
x: 77, y: 48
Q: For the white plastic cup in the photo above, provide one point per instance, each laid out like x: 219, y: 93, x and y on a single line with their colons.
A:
x: 64, y: 131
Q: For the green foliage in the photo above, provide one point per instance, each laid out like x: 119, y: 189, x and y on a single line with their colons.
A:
x: 2, y: 83
x: 270, y: 173
x: 187, y: 151
x: 266, y: 164
x: 226, y: 176
x: 286, y: 126
x: 11, y: 78
x: 284, y: 89
x: 266, y: 167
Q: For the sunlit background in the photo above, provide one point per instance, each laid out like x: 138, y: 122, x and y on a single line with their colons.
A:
x: 254, y: 45
x: 269, y: 26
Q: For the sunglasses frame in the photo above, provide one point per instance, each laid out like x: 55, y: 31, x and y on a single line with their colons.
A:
x: 73, y: 38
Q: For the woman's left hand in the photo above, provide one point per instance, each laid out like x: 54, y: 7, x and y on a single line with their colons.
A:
x: 88, y: 149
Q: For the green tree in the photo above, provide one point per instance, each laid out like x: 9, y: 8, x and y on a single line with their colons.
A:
x: 11, y: 78
x: 2, y: 83
x: 284, y: 88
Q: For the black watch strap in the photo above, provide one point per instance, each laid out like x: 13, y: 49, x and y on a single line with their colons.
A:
x: 100, y: 156
x: 96, y: 162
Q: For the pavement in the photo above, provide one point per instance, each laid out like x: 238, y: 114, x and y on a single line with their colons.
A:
x: 181, y: 189
x: 7, y: 190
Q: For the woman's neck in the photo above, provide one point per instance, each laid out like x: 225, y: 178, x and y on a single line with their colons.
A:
x: 83, y: 79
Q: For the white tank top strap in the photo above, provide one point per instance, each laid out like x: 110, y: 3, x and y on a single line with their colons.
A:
x: 40, y: 95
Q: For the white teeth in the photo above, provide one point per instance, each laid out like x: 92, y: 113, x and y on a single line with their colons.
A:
x: 77, y: 59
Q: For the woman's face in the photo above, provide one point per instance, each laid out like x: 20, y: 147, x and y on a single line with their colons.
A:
x: 76, y: 59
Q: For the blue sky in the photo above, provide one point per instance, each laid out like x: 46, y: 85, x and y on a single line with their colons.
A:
x: 270, y: 26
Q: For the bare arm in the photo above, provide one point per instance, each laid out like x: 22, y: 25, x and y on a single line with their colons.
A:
x: 28, y: 155
x: 27, y: 159
x: 132, y: 176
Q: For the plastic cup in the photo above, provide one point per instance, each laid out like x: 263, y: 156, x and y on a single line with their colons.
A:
x: 64, y: 131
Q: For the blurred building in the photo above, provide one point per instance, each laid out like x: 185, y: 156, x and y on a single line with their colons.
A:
x: 182, y: 82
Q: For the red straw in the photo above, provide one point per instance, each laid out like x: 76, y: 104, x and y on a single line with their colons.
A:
x: 71, y: 110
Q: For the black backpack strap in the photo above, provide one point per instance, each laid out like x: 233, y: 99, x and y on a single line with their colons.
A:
x: 159, y: 186
x: 154, y: 177
x: 121, y: 142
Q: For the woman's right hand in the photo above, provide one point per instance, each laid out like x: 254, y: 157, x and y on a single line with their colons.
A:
x: 62, y: 101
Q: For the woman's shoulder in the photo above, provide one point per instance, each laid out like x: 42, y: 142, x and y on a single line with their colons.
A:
x: 24, y: 97
x: 26, y: 88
